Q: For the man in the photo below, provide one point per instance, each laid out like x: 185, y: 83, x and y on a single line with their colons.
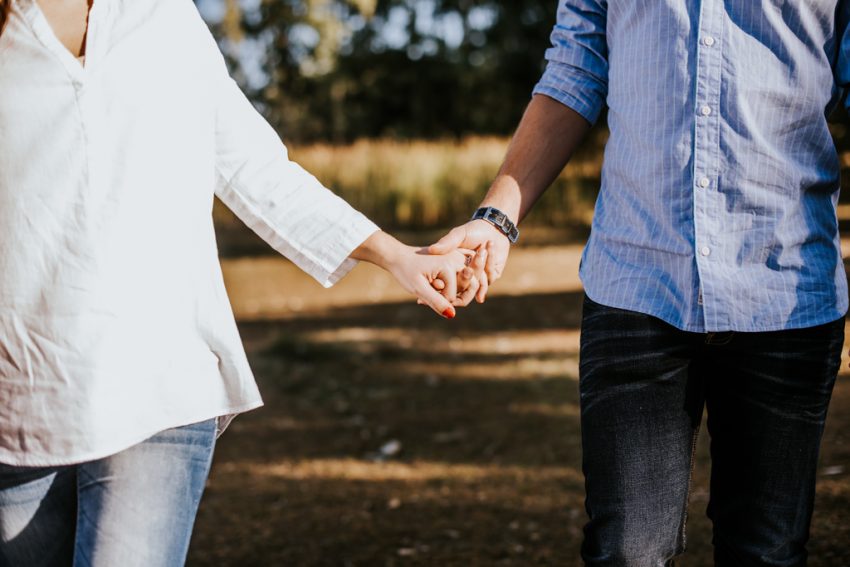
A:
x: 713, y: 272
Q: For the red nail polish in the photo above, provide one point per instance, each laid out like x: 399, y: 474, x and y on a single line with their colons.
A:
x: 449, y: 313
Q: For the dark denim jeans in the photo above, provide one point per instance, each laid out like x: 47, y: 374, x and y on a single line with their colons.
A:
x: 643, y: 387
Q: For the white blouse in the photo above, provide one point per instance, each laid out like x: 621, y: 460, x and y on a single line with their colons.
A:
x: 114, y: 320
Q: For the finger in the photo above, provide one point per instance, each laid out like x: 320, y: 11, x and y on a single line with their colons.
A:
x: 467, y: 295
x: 438, y: 284
x: 481, y: 296
x: 464, y: 279
x: 449, y: 242
x: 479, y: 265
x: 449, y: 275
x: 428, y: 296
x: 494, y: 271
x: 479, y: 261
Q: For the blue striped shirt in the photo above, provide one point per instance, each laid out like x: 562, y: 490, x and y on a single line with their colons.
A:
x: 717, y: 209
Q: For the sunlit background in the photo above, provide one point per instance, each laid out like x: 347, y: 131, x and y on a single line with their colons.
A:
x: 389, y: 436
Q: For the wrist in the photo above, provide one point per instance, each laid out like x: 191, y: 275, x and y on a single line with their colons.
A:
x: 504, y: 194
x: 382, y: 250
x: 499, y: 220
x: 483, y: 231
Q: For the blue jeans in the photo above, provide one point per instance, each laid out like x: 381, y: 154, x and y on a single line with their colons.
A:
x: 643, y: 387
x: 136, y: 507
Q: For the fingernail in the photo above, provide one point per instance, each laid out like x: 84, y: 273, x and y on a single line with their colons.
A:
x: 449, y: 313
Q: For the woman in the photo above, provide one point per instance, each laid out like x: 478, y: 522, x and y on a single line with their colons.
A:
x: 119, y: 355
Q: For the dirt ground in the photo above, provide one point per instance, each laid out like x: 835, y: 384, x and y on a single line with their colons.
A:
x: 391, y: 437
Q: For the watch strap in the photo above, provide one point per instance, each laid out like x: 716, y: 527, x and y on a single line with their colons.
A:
x: 500, y: 220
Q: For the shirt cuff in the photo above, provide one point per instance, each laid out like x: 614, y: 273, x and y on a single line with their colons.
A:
x: 562, y: 83
x: 335, y: 262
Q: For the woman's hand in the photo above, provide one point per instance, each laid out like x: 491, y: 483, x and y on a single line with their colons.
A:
x: 417, y: 271
x: 471, y: 281
x: 442, y: 282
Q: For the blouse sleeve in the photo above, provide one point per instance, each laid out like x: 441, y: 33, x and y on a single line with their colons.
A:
x: 284, y: 204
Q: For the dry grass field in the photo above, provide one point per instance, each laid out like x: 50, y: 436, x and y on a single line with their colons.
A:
x: 391, y: 437
x: 426, y: 184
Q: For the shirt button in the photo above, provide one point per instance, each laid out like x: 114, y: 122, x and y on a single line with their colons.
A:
x: 705, y: 110
x: 709, y: 41
x: 705, y: 251
x: 704, y: 182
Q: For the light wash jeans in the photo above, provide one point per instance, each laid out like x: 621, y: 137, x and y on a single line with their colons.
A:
x: 134, y: 508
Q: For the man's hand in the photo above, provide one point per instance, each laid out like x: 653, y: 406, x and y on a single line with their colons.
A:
x: 491, y: 246
x: 547, y: 135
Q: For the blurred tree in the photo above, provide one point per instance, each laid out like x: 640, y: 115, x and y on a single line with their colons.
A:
x: 338, y: 70
x: 343, y: 69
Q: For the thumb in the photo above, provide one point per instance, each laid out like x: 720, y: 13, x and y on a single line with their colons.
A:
x: 449, y: 242
x: 428, y: 296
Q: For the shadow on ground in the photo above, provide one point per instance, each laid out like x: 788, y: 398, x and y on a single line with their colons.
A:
x: 391, y: 437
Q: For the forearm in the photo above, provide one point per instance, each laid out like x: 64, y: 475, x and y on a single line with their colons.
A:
x: 380, y: 249
x: 546, y: 138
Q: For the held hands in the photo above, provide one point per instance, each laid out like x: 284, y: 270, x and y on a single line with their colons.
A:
x: 449, y: 274
x: 467, y: 283
x: 492, y: 249
x: 439, y: 281
x: 486, y: 251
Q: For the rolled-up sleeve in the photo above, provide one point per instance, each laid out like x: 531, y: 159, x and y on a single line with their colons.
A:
x: 280, y: 201
x: 576, y: 73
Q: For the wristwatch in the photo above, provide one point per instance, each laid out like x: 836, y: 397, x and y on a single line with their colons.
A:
x: 500, y: 220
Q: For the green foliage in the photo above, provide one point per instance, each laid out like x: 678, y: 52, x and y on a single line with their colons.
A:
x: 340, y: 70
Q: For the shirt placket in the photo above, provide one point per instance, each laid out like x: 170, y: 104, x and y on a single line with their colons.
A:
x: 706, y: 180
x: 90, y: 100
x: 81, y: 77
